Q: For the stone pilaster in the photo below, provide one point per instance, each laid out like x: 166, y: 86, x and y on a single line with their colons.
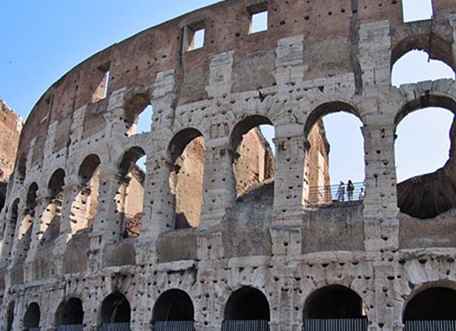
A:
x: 219, y: 182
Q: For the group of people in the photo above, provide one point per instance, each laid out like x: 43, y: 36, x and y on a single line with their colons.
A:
x: 349, y: 189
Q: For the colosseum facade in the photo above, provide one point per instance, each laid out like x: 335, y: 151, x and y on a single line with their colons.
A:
x: 220, y: 232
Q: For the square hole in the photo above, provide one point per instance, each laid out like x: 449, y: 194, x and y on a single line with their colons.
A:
x: 413, y: 10
x: 196, y: 38
x: 259, y: 22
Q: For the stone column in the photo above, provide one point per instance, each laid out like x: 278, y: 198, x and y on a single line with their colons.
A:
x: 106, y: 229
x: 452, y: 20
x: 380, y: 203
x: 219, y: 184
x: 289, y: 185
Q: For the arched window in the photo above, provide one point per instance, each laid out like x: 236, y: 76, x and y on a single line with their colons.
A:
x: 411, y: 12
x: 334, y: 167
x: 253, y: 153
x: 431, y: 309
x: 173, y: 311
x: 10, y: 230
x: 187, y: 153
x: 138, y: 114
x: 69, y: 315
x: 115, y: 313
x: 334, y: 306
x: 84, y: 208
x: 51, y: 217
x: 25, y: 231
x: 32, y: 317
x: 130, y: 196
x: 247, y: 309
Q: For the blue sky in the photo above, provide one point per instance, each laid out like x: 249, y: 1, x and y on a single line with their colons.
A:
x: 44, y: 39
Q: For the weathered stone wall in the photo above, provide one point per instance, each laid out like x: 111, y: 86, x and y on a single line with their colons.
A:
x: 315, y: 58
x: 10, y: 129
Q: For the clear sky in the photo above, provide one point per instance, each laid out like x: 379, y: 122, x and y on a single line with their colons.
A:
x: 41, y: 40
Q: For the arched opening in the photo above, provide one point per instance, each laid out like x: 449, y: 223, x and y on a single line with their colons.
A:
x: 404, y: 69
x: 431, y: 309
x: 32, y: 317
x: 25, y: 230
x: 173, y: 311
x: 138, y: 114
x: 412, y: 13
x: 115, y: 313
x: 247, y: 309
x: 187, y: 153
x: 333, y: 306
x: 70, y: 315
x: 21, y: 168
x: 130, y: 196
x: 10, y: 230
x: 334, y: 170
x: 424, y: 163
x: 253, y: 153
x: 10, y: 316
x: 50, y: 219
x: 84, y: 207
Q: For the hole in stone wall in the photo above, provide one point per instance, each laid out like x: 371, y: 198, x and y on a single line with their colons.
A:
x: 253, y: 153
x: 413, y: 10
x: 32, y: 317
x: 70, y: 313
x: 130, y: 196
x: 334, y: 302
x: 103, y: 74
x: 173, y: 305
x: 247, y: 304
x: 195, y: 35
x: 187, y: 153
x: 433, y: 304
x: 334, y: 168
x: 115, y: 309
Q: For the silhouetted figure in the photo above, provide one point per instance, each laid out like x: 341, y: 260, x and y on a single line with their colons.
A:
x: 341, y: 192
x: 350, y: 190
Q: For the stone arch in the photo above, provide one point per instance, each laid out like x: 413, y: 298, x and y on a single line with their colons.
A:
x: 70, y: 312
x: 428, y: 195
x: 439, y: 49
x: 247, y: 304
x: 333, y: 302
x: 130, y: 195
x: 51, y: 217
x: 431, y: 302
x: 32, y: 317
x: 136, y: 101
x: 173, y: 305
x: 252, y: 156
x: 186, y: 152
x: 115, y: 309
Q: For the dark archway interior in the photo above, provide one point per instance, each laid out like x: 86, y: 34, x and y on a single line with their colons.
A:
x: 247, y: 304
x: 31, y: 199
x: 57, y: 182
x: 10, y: 317
x: 115, y: 309
x: 129, y: 160
x: 32, y: 316
x: 180, y: 142
x: 174, y: 305
x: 432, y: 305
x: 70, y: 313
x: 245, y: 126
x: 135, y: 106
x: 88, y: 168
x: 334, y: 302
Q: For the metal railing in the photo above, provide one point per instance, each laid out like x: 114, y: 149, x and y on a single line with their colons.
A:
x: 173, y: 326
x: 430, y: 325
x: 331, y: 194
x: 231, y: 325
x: 115, y: 327
x: 335, y: 325
x: 70, y: 327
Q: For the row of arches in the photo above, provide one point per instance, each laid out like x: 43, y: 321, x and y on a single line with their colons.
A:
x: 253, y: 163
x: 245, y: 306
